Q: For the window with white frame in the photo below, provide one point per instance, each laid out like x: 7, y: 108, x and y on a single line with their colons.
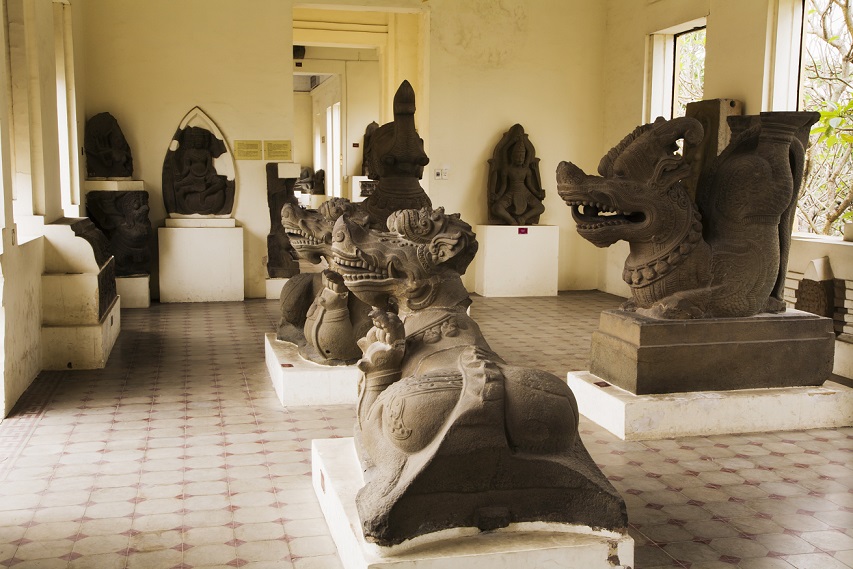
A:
x: 675, y: 69
x: 826, y: 86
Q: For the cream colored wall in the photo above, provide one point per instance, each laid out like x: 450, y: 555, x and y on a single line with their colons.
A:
x: 363, y: 100
x: 303, y: 140
x: 534, y: 63
x: 22, y: 267
x: 149, y: 63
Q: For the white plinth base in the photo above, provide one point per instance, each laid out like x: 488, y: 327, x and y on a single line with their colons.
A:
x: 112, y: 185
x: 81, y: 347
x: 300, y: 382
x: 649, y: 417
x: 337, y: 478
x: 135, y: 292
x: 201, y: 264
x: 274, y: 287
x: 517, y: 260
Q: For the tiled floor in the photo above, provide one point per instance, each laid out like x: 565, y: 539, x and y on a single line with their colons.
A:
x: 178, y: 455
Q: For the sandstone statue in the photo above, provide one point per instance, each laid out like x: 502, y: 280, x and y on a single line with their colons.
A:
x: 396, y: 158
x: 448, y: 433
x: 107, y: 151
x: 191, y: 184
x: 515, y: 187
x: 318, y: 313
x: 123, y: 217
x: 724, y: 255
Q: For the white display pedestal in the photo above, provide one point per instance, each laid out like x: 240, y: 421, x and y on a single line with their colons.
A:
x: 649, y: 417
x: 274, y: 286
x: 516, y: 260
x: 135, y: 292
x: 337, y: 477
x: 80, y: 311
x: 201, y: 260
x: 298, y: 381
x: 83, y: 346
x: 113, y: 185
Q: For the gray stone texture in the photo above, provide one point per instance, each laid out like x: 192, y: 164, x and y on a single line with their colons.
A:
x: 514, y: 186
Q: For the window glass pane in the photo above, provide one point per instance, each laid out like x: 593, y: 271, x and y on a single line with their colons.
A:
x: 827, y: 86
x: 688, y: 83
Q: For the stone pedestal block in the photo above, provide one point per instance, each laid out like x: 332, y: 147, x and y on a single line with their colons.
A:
x: 646, y: 355
x: 274, y: 286
x: 80, y: 309
x: 337, y: 477
x: 81, y: 346
x: 649, y: 417
x: 300, y: 382
x: 517, y: 260
x: 135, y: 292
x: 201, y: 264
x: 113, y: 186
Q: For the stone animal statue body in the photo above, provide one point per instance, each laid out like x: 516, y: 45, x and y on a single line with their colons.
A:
x: 449, y: 434
x: 317, y: 312
x: 725, y: 258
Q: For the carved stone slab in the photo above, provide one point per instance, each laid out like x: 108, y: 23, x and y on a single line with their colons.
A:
x: 107, y: 151
x: 123, y: 217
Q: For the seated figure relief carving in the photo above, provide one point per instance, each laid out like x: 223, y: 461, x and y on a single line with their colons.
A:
x: 448, y: 433
x: 123, y: 217
x: 515, y: 187
x: 191, y: 184
x: 724, y: 255
x: 317, y: 313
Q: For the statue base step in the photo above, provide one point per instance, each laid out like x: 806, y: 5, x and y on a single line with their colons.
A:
x: 649, y: 417
x: 516, y: 260
x: 274, y: 286
x: 135, y: 292
x: 83, y: 346
x: 337, y: 477
x: 652, y: 356
x: 298, y: 381
x: 201, y: 264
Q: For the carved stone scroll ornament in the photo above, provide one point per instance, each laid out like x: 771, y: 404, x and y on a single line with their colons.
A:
x: 449, y: 434
x: 728, y: 261
x: 515, y: 187
x: 123, y: 218
x: 107, y: 151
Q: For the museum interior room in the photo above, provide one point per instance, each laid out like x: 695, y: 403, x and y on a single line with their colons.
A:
x: 405, y: 283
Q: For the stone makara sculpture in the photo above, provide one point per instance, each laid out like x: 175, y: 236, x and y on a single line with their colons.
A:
x: 515, y: 187
x: 123, y: 218
x: 449, y: 434
x: 725, y: 258
x: 318, y: 313
x: 191, y: 184
x: 107, y: 151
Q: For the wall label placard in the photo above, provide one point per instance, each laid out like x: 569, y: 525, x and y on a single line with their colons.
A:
x: 278, y: 150
x: 248, y: 150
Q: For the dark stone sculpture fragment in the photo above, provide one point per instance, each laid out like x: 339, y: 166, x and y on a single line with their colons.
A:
x: 107, y: 151
x: 305, y: 181
x: 85, y: 228
x: 515, y: 187
x: 318, y: 313
x: 281, y: 257
x: 123, y: 218
x: 191, y: 184
x: 725, y: 255
x: 448, y: 433
x: 396, y: 158
x: 318, y: 185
